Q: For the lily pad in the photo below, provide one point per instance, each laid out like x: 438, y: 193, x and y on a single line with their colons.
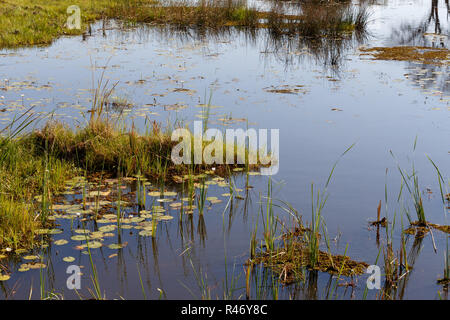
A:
x: 30, y: 257
x: 69, y: 259
x: 61, y: 242
x: 109, y: 216
x: 38, y: 265
x: 78, y: 237
x: 82, y: 231
x: 115, y: 246
x: 108, y: 228
x: 92, y: 244
x: 145, y: 233
x: 170, y: 194
x: 166, y: 217
x: 55, y: 231
x: 4, y: 277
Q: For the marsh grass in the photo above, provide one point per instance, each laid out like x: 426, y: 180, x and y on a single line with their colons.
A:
x: 94, y: 277
x: 201, y: 200
x: 445, y: 197
x: 411, y: 181
x: 315, y: 20
x: 36, y: 163
x: 38, y: 22
x: 289, y: 253
x: 27, y: 182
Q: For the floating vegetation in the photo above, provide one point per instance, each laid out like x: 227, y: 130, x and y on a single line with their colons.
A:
x: 78, y: 238
x: 427, y: 55
x: 30, y: 257
x: 116, y: 246
x: 146, y: 233
x: 4, y: 277
x: 69, y: 259
x: 420, y: 230
x: 290, y: 262
x: 287, y: 89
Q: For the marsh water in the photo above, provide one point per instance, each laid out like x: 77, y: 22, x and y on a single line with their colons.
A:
x: 341, y: 97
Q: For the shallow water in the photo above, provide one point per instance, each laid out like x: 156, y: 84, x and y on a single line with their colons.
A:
x: 380, y: 105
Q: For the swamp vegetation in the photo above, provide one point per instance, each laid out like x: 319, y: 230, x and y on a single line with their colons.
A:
x: 104, y: 189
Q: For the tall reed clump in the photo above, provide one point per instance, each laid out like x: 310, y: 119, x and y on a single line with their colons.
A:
x: 205, y: 14
x: 445, y: 198
x: 315, y: 20
x: 312, y: 235
x: 269, y: 220
x: 27, y: 182
x: 411, y: 181
x: 297, y: 249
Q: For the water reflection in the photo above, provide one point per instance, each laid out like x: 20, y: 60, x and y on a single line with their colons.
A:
x: 431, y: 31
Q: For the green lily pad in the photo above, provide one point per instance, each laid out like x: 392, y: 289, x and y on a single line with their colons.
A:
x: 166, y: 217
x: 38, y: 265
x: 55, y: 231
x: 116, y: 246
x: 30, y: 257
x: 60, y: 242
x: 104, y: 221
x: 108, y: 234
x: 96, y: 235
x: 109, y: 216
x: 108, y: 228
x: 145, y: 233
x: 69, y: 259
x: 92, y: 244
x: 4, y: 277
x: 81, y: 231
x: 78, y: 237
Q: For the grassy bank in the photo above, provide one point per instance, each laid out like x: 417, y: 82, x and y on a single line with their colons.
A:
x: 39, y: 22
